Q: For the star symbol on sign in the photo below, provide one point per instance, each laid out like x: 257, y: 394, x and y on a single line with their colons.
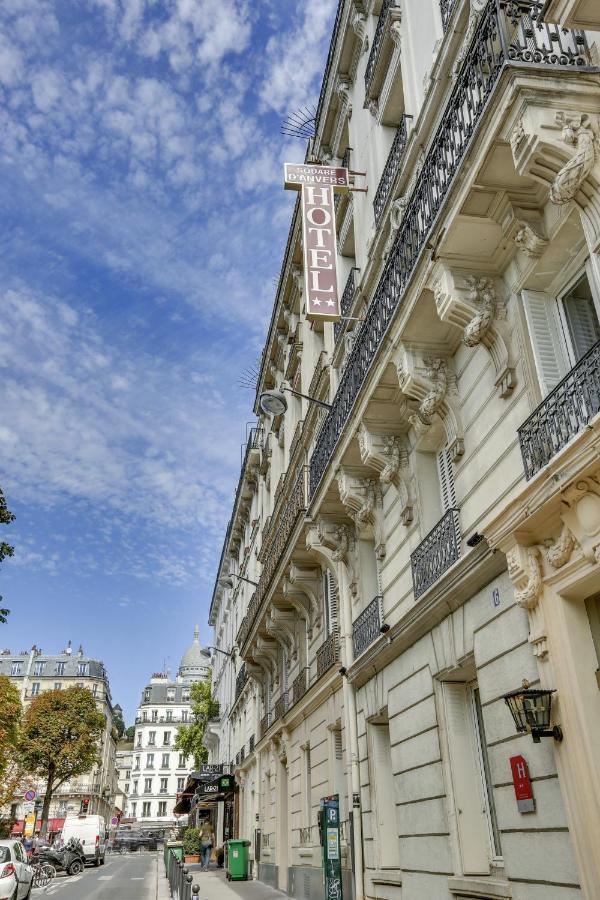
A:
x: 330, y: 303
x: 316, y: 302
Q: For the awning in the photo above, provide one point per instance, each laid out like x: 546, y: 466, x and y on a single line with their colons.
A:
x: 53, y: 825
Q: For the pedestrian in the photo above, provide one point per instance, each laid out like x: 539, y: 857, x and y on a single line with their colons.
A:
x: 207, y: 835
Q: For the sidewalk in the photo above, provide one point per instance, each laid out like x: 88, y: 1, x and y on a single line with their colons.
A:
x: 214, y: 886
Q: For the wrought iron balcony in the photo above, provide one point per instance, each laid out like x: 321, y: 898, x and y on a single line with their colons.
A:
x: 378, y: 42
x: 562, y: 414
x: 243, y: 753
x: 390, y: 170
x: 283, y: 522
x: 251, y: 743
x: 367, y: 626
x: 315, y: 382
x: 240, y: 681
x: 300, y: 685
x: 446, y: 9
x: 280, y: 707
x: 327, y: 654
x: 436, y: 553
x: 508, y: 33
x: 346, y: 302
x: 265, y: 723
x: 237, y: 758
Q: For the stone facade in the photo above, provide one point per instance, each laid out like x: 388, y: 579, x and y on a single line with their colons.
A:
x: 398, y: 563
x: 35, y: 672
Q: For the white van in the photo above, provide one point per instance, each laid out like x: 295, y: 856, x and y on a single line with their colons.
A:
x: 91, y: 831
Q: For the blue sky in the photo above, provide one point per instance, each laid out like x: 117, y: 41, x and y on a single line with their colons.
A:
x: 143, y: 221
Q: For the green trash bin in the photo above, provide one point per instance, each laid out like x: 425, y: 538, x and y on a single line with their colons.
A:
x: 236, y: 860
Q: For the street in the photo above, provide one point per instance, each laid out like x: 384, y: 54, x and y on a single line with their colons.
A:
x: 129, y: 877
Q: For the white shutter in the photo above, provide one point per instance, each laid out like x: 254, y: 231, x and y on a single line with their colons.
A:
x: 547, y: 340
x: 446, y: 476
x: 332, y: 599
x: 471, y: 821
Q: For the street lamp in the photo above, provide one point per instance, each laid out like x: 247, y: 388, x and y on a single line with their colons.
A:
x: 531, y: 710
x: 226, y: 581
x: 224, y: 652
x: 274, y: 403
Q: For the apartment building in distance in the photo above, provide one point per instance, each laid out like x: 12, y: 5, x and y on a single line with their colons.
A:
x: 34, y: 672
x: 403, y: 555
x: 158, y: 771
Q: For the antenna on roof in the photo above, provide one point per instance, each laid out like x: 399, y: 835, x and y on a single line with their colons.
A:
x: 301, y: 124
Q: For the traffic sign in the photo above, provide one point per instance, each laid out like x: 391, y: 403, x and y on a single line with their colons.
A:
x: 114, y: 821
x: 29, y: 795
x: 28, y: 807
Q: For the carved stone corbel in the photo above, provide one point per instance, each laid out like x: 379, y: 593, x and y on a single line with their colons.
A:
x: 281, y: 626
x: 525, y: 571
x: 576, y: 130
x: 559, y: 552
x: 343, y: 88
x: 334, y: 543
x: 308, y: 582
x: 269, y: 649
x: 581, y: 514
x: 471, y: 303
x: 362, y: 498
x: 529, y: 240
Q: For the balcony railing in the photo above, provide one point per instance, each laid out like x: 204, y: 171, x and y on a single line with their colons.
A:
x: 446, y: 8
x: 240, y: 681
x: 378, y: 41
x: 300, y: 685
x: 562, y: 414
x: 275, y: 544
x: 265, y: 723
x: 390, y: 170
x: 327, y: 654
x: 508, y: 33
x: 243, y: 753
x: 251, y: 743
x: 322, y: 363
x: 436, y: 553
x: 280, y: 707
x: 367, y: 626
x: 346, y: 302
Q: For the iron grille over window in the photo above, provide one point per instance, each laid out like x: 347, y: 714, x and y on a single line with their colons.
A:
x: 366, y: 627
x: 240, y: 681
x: 390, y: 170
x: 299, y: 686
x: 327, y: 654
x: 436, y: 553
x: 562, y: 414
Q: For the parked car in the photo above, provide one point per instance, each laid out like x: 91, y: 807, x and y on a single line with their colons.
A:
x: 16, y: 875
x: 91, y: 832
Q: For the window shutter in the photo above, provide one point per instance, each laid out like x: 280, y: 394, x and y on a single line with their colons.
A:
x: 337, y: 738
x: 446, y: 476
x: 470, y: 816
x: 547, y: 341
x: 332, y: 602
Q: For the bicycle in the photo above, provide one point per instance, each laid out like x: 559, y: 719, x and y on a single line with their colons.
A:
x: 43, y: 873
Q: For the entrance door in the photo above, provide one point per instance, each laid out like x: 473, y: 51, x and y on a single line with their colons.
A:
x: 283, y: 826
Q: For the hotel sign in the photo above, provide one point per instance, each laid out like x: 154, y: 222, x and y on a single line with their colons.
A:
x: 317, y: 185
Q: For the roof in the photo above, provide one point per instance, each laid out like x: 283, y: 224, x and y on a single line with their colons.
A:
x: 194, y: 658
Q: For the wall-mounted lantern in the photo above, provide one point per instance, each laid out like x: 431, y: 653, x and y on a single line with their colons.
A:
x: 531, y: 710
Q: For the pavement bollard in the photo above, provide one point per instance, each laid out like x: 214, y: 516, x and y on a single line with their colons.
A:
x: 195, y: 891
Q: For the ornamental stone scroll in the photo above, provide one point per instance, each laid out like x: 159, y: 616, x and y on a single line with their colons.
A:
x: 388, y: 455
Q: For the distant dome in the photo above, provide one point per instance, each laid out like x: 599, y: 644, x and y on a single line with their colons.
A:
x: 195, y: 660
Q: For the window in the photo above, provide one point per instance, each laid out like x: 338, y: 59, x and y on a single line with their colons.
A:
x: 385, y: 824
x: 60, y: 668
x: 137, y: 761
x: 337, y: 769
x: 151, y: 738
x: 155, y: 715
x: 306, y: 786
x: 83, y: 668
x: 150, y: 760
x: 139, y: 739
x: 180, y: 784
x: 57, y: 686
x: 169, y: 715
x: 562, y: 329
x: 133, y: 810
x: 95, y: 690
x: 135, y: 787
x: 126, y: 787
x: 185, y: 695
x: 330, y: 593
x: 127, y: 773
x: 184, y: 715
x: 165, y: 761
x: 162, y: 808
x: 163, y: 785
x: 181, y: 763
x: 147, y: 785
x: 146, y: 810
x: 38, y: 668
x: 166, y: 738
x: 35, y: 688
x: 478, y: 834
x: 170, y: 695
x: 15, y: 668
x: 147, y: 694
x: 144, y: 716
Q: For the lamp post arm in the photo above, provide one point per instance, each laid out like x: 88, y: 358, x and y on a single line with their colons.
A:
x: 306, y: 397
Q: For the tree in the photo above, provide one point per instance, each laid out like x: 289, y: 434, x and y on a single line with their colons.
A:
x: 59, y: 738
x: 129, y: 733
x: 11, y: 770
x: 119, y: 723
x: 6, y: 517
x: 190, y: 738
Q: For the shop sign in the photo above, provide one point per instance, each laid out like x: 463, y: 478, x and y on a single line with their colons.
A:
x: 211, y: 769
x: 317, y: 185
x: 522, y: 784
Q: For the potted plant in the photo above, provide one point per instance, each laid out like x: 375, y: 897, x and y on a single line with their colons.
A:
x: 191, y: 845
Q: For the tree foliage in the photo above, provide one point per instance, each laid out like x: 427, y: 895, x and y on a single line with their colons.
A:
x: 129, y: 733
x: 10, y: 718
x: 119, y: 724
x: 60, y: 738
x: 6, y: 517
x: 190, y: 738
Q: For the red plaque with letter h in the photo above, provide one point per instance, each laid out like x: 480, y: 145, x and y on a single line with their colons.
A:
x: 522, y: 783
